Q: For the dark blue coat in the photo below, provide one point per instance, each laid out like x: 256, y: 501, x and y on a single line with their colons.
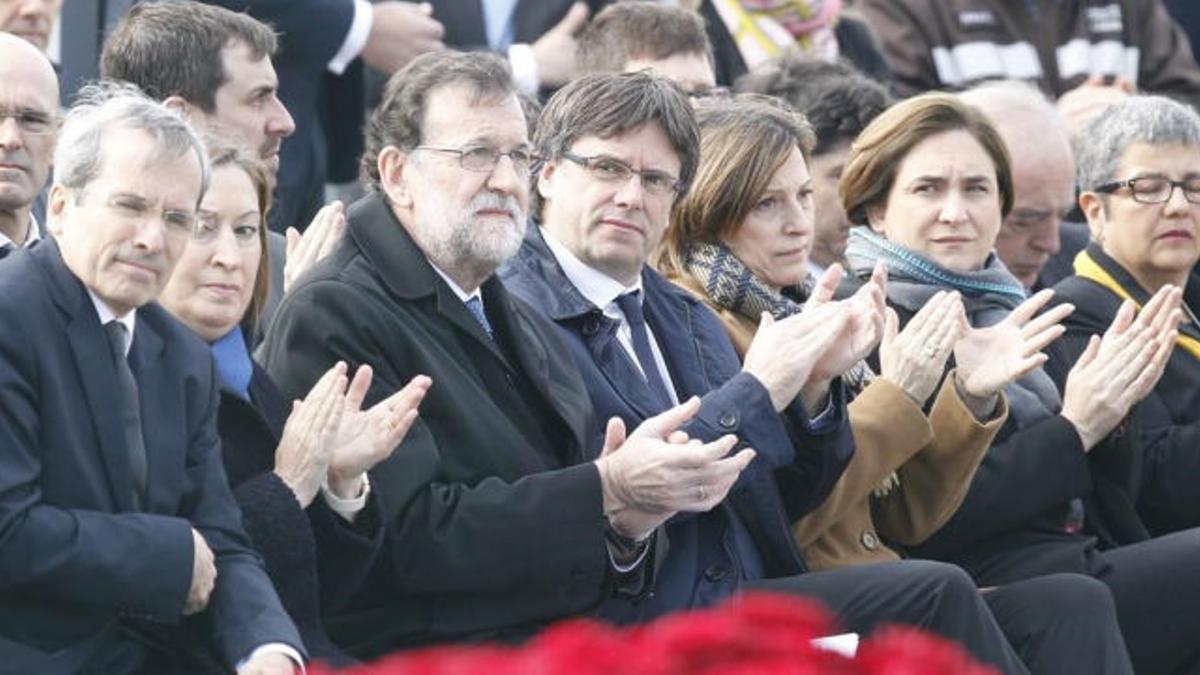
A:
x: 748, y: 536
x: 76, y: 556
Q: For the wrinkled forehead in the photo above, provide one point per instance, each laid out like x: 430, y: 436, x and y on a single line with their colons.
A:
x: 459, y: 114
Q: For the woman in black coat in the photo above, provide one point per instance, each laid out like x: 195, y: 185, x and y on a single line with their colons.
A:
x: 297, y: 469
x: 1146, y: 241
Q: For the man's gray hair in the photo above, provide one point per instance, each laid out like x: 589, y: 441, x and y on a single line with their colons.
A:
x: 1154, y: 120
x: 108, y: 105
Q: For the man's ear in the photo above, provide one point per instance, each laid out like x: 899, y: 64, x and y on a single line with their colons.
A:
x: 392, y: 165
x: 56, y: 204
x: 1093, y: 209
x: 545, y: 175
x: 179, y: 105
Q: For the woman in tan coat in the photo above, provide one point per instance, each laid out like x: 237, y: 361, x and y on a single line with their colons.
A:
x: 739, y: 240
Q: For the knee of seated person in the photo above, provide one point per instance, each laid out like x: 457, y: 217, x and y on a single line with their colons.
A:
x: 944, y: 576
x: 1073, y: 594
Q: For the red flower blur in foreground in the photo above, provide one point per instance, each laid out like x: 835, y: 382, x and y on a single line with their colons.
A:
x: 754, y: 634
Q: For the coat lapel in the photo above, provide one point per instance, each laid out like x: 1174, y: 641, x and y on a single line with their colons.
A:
x: 163, y: 426
x: 93, y: 360
x: 672, y: 331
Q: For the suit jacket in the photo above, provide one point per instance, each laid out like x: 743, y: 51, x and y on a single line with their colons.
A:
x: 75, y: 555
x: 1150, y: 463
x: 311, y: 33
x: 486, y: 535
x: 316, y: 559
x: 707, y: 558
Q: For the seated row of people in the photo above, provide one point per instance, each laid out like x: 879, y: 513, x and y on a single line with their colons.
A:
x: 593, y: 439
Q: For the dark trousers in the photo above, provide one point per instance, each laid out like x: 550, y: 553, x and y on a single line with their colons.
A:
x: 1061, y: 623
x: 1157, y: 591
x: 935, y: 596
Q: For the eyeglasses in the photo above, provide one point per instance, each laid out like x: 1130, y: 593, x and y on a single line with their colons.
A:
x: 612, y: 170
x: 208, y: 228
x: 177, y: 223
x: 484, y: 158
x: 30, y: 121
x: 1155, y: 189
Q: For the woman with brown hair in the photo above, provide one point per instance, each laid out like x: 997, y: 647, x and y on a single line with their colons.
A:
x: 930, y: 180
x: 297, y: 469
x: 739, y: 239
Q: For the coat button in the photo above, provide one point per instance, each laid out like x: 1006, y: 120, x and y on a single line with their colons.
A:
x: 591, y: 325
x: 577, y: 574
x: 869, y: 540
x: 715, y: 573
x: 728, y: 420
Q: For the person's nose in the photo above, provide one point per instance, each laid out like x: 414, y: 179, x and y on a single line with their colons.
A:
x: 953, y: 209
x: 11, y: 137
x: 505, y: 179
x: 280, y: 123
x: 225, y: 252
x: 1046, y: 239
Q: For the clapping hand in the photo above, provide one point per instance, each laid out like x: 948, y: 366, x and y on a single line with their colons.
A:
x: 990, y: 358
x: 319, y: 239
x: 1118, y: 370
x: 657, y: 471
x: 303, y: 454
x: 915, y: 358
x: 367, y: 437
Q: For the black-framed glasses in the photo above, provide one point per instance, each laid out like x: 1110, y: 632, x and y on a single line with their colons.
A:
x: 484, y: 158
x: 30, y: 121
x: 1155, y: 189
x: 612, y: 170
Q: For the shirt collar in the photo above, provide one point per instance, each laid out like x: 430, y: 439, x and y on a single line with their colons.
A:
x: 600, y: 289
x: 31, y: 235
x: 462, y: 295
x: 106, y: 314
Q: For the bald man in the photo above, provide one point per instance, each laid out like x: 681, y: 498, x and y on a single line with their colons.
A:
x: 28, y: 120
x: 1043, y: 170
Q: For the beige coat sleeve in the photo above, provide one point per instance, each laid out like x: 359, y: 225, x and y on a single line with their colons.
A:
x: 888, y: 428
x: 935, y: 479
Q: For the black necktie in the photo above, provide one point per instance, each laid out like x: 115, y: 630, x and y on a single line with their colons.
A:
x: 632, y: 309
x: 131, y: 416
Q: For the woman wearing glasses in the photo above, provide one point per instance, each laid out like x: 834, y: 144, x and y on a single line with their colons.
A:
x: 1140, y: 171
x: 930, y: 180
x: 297, y: 469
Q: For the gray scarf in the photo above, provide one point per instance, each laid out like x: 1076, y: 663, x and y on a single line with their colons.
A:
x: 989, y: 295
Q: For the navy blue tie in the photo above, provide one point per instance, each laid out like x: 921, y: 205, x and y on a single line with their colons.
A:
x: 631, y: 307
x: 475, y: 305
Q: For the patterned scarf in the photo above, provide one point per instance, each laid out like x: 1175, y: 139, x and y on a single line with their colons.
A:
x: 989, y: 295
x: 764, y: 29
x: 731, y: 285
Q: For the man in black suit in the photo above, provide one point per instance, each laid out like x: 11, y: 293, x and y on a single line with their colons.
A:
x: 502, y: 513
x: 28, y: 113
x: 120, y: 545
